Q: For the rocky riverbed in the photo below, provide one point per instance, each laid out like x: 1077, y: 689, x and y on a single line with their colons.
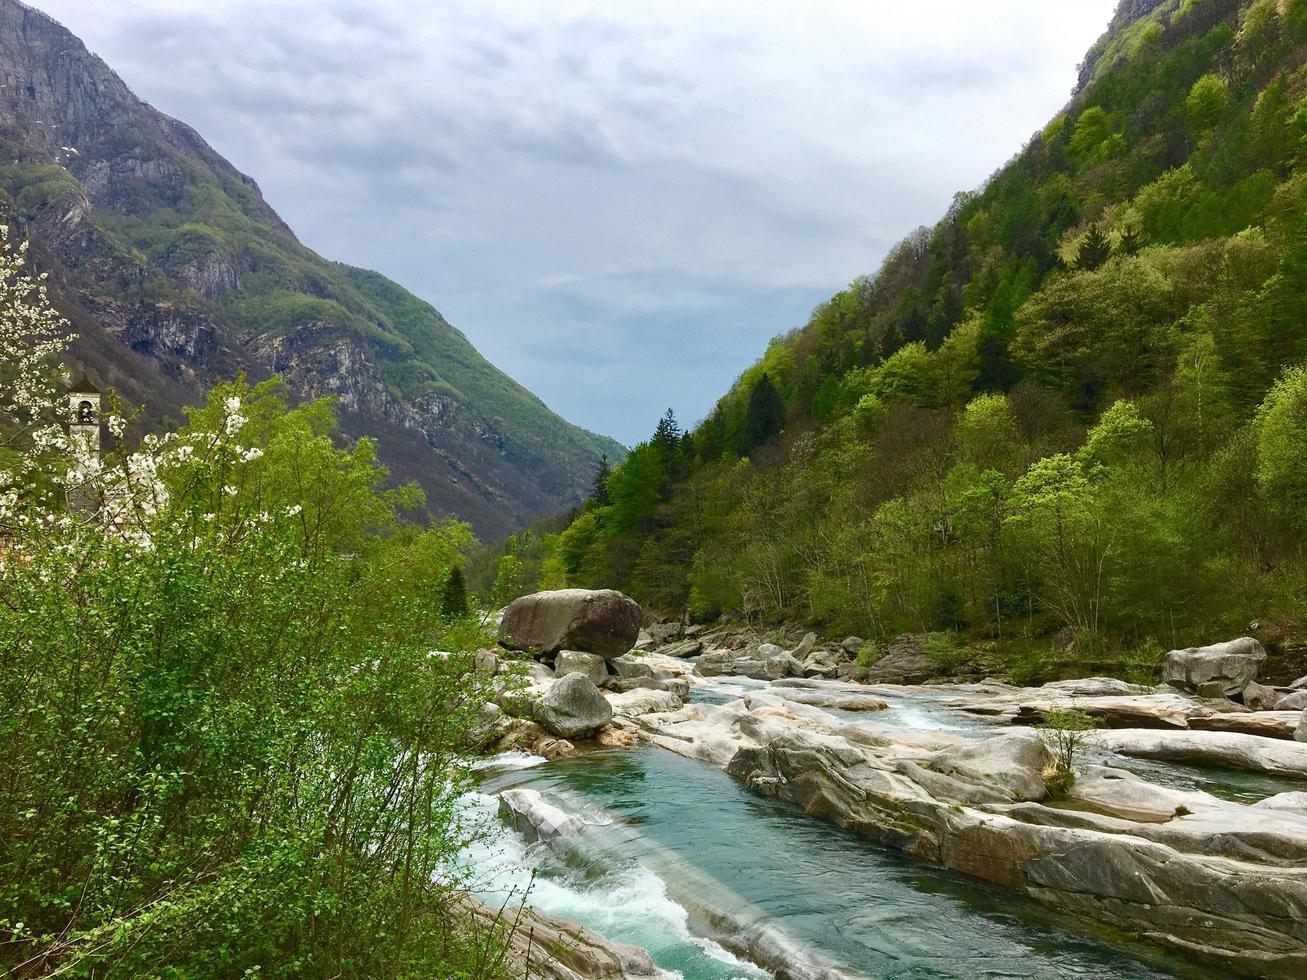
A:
x: 954, y: 776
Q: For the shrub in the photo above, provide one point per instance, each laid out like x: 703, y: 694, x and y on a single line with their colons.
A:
x: 1064, y: 733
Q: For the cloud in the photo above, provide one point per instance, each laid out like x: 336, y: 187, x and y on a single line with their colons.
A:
x: 619, y: 204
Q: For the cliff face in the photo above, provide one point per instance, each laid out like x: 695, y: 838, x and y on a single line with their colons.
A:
x: 177, y: 273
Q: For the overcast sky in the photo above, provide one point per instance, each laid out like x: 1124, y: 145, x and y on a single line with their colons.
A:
x: 618, y: 202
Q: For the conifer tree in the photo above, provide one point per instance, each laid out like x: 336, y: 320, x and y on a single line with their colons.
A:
x: 599, y: 494
x: 1132, y: 241
x: 1094, y: 249
x: 765, y: 415
x: 453, y: 595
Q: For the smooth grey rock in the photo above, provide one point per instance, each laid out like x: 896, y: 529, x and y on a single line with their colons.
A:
x: 1233, y: 663
x: 903, y: 662
x: 1259, y: 697
x: 852, y: 644
x: 632, y: 666
x: 685, y: 648
x: 725, y: 663
x: 590, y: 665
x: 1011, y: 764
x: 1300, y: 733
x: 487, y: 661
x: 801, y: 652
x: 1294, y: 801
x: 1299, y: 684
x: 573, y: 707
x: 680, y: 686
x: 1095, y: 687
x: 1211, y: 689
x: 643, y: 701
x: 605, y: 622
x: 1294, y: 701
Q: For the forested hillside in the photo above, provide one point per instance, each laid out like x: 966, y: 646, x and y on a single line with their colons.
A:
x: 177, y: 274
x: 1073, y: 409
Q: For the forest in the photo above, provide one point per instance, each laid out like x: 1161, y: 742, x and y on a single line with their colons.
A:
x: 1063, y: 429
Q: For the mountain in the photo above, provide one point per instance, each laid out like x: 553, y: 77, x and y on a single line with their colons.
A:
x: 177, y: 273
x: 1070, y: 416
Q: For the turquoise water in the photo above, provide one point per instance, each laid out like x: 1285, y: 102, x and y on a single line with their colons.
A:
x: 667, y: 834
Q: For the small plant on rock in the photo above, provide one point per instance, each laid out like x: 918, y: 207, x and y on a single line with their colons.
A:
x: 1064, y: 733
x: 868, y: 654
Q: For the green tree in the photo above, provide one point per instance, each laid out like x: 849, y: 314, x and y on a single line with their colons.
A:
x: 1281, y: 430
x: 599, y: 492
x: 453, y: 595
x: 766, y: 413
x: 1094, y: 249
x: 1208, y: 103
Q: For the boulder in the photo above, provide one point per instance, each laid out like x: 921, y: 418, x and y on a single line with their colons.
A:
x: 1299, y: 684
x: 1211, y: 689
x: 852, y: 644
x: 784, y: 664
x: 1295, y: 701
x: 590, y: 665
x: 902, y: 663
x: 1300, y: 733
x: 604, y: 622
x: 726, y: 663
x: 1233, y: 664
x: 642, y: 701
x: 486, y: 661
x: 629, y: 666
x: 1259, y: 697
x: 573, y: 707
x: 801, y: 652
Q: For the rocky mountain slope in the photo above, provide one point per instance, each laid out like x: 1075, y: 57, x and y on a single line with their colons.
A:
x: 177, y: 273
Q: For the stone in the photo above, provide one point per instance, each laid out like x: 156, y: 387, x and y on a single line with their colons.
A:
x: 1228, y: 750
x: 680, y: 686
x: 1294, y: 701
x: 573, y: 707
x: 685, y: 648
x: 642, y: 701
x: 539, y: 672
x: 725, y: 663
x: 1010, y: 764
x: 1259, y: 697
x: 851, y: 645
x: 604, y: 622
x: 1211, y: 689
x: 487, y: 661
x: 903, y: 662
x: 1294, y: 801
x: 1299, y: 684
x: 1300, y: 733
x: 1267, y: 724
x: 1234, y: 664
x: 801, y: 652
x: 631, y: 666
x: 589, y: 665
x: 783, y: 664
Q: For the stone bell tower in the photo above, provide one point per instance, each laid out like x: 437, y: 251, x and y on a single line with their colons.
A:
x: 83, y: 435
x: 84, y: 403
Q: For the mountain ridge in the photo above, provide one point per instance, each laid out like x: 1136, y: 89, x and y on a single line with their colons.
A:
x: 177, y: 273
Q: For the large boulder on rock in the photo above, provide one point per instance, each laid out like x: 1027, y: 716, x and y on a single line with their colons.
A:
x: 1232, y: 664
x: 604, y: 622
x: 590, y: 665
x: 573, y: 707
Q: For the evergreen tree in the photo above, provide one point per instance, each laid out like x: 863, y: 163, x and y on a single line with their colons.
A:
x: 599, y: 494
x: 1132, y: 241
x: 1094, y: 249
x: 667, y: 436
x: 453, y: 595
x: 765, y: 415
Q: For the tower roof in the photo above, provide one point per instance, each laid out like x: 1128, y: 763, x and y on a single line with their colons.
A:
x: 83, y: 386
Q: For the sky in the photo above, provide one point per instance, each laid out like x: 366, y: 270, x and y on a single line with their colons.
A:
x: 619, y: 203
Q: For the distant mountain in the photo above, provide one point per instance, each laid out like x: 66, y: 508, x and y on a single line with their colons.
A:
x: 177, y: 273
